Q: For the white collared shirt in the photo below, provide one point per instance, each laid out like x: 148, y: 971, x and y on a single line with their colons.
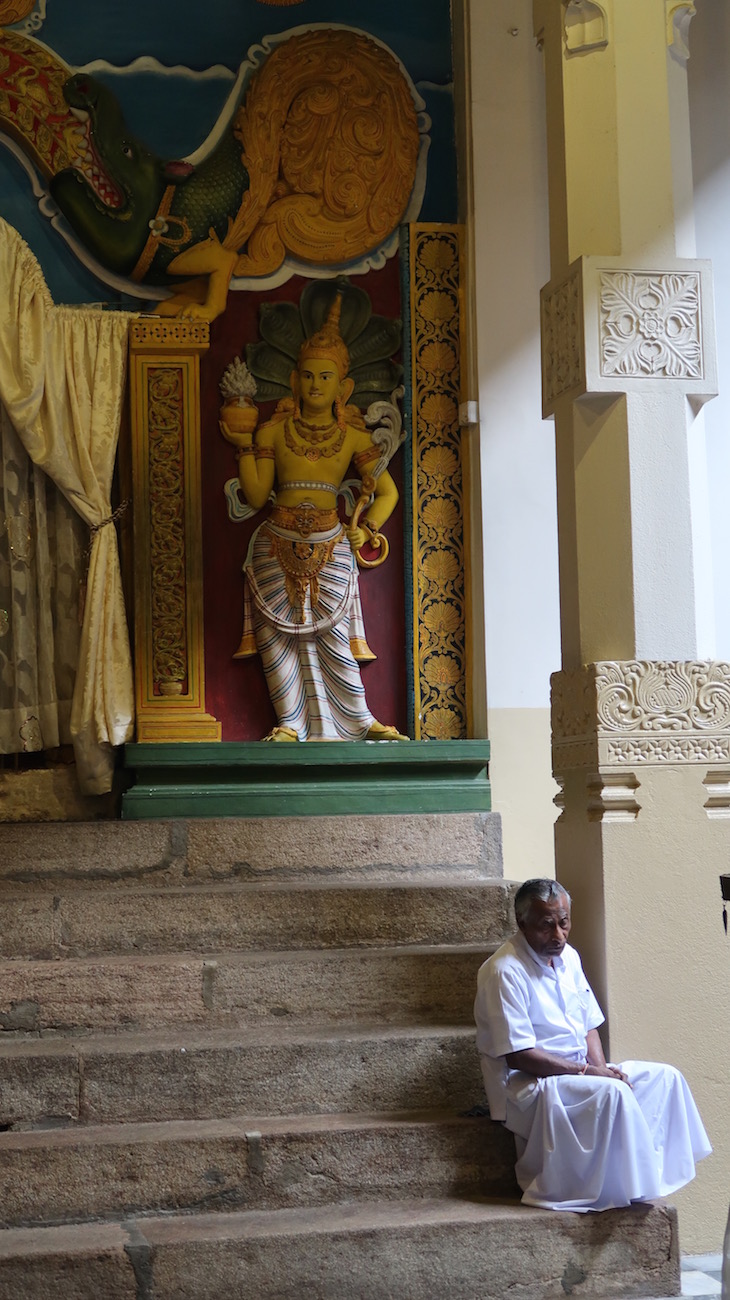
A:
x: 525, y: 1001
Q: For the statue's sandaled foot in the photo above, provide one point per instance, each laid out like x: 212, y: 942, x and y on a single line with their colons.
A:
x: 379, y: 731
x: 282, y: 733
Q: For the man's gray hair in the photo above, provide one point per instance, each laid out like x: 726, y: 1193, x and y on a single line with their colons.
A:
x: 542, y: 889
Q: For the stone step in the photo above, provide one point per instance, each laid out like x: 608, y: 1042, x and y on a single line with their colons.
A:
x: 411, y: 1249
x: 59, y: 855
x: 218, y: 917
x: 208, y: 1074
x: 99, y: 1172
x: 406, y: 985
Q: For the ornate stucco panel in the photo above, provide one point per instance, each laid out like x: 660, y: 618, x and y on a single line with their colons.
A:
x: 609, y: 328
x: 640, y: 712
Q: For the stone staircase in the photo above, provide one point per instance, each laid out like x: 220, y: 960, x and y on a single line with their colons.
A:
x: 236, y: 1058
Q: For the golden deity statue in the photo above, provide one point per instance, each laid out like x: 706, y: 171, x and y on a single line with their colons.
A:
x: 302, y: 610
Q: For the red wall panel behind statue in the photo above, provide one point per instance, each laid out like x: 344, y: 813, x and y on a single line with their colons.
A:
x: 236, y: 690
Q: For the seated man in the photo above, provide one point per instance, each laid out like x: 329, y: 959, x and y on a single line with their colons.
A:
x: 589, y: 1136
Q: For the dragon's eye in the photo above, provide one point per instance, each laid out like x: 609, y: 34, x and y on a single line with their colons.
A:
x: 127, y: 151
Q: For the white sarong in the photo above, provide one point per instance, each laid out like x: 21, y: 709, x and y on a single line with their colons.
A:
x: 313, y: 677
x: 583, y: 1142
x: 586, y: 1143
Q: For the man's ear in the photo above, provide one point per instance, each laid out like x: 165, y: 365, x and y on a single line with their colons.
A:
x: 347, y: 388
x: 294, y: 382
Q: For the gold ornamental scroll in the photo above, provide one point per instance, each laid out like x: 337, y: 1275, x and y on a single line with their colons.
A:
x: 168, y: 542
x: 439, y: 583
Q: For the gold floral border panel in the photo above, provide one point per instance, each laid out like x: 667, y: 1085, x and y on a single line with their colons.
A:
x: 165, y: 412
x: 439, y: 599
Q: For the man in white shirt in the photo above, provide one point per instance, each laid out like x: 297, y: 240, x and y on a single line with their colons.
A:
x: 589, y: 1135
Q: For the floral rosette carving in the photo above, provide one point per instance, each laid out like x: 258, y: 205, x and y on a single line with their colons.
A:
x: 165, y: 331
x: 650, y: 324
x: 440, y: 591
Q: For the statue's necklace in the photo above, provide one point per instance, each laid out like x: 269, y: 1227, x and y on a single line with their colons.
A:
x: 311, y: 435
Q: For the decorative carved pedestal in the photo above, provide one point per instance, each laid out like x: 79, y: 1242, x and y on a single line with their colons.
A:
x: 168, y: 597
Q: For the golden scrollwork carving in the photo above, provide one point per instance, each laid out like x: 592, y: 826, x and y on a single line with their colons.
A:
x: 330, y: 140
x: 439, y: 584
x: 167, y: 529
x: 11, y: 11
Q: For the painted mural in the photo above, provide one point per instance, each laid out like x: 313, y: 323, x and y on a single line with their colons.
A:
x: 186, y: 94
x: 213, y: 170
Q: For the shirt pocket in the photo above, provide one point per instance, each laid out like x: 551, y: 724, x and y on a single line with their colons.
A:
x: 577, y: 1001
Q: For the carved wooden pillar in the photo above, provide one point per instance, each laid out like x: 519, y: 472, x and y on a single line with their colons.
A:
x: 168, y: 604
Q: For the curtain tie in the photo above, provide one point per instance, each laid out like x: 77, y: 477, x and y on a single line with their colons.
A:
x: 110, y: 519
x: 93, y: 530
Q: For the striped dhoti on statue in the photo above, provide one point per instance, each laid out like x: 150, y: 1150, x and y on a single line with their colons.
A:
x: 305, y: 603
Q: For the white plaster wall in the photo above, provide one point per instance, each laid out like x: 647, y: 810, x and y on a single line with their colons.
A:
x: 521, y: 609
x: 709, y: 99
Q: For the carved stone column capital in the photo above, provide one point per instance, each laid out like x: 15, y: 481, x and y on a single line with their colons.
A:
x: 616, y: 715
x: 610, y: 328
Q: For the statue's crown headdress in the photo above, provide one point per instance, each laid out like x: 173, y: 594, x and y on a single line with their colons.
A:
x: 327, y: 344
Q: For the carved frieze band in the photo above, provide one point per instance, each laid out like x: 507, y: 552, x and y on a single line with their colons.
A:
x: 650, y: 325
x: 438, y: 495
x: 563, y: 363
x: 169, y: 332
x: 640, y: 712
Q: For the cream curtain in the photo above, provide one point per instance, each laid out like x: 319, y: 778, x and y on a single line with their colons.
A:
x: 61, y: 382
x: 42, y: 543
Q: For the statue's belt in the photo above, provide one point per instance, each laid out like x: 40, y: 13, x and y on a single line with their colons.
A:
x: 159, y: 227
x: 304, y: 523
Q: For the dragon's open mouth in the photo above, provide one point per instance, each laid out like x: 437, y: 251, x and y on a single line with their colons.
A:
x: 89, y: 164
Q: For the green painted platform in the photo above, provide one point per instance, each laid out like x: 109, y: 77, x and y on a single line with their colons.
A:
x: 316, y: 778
